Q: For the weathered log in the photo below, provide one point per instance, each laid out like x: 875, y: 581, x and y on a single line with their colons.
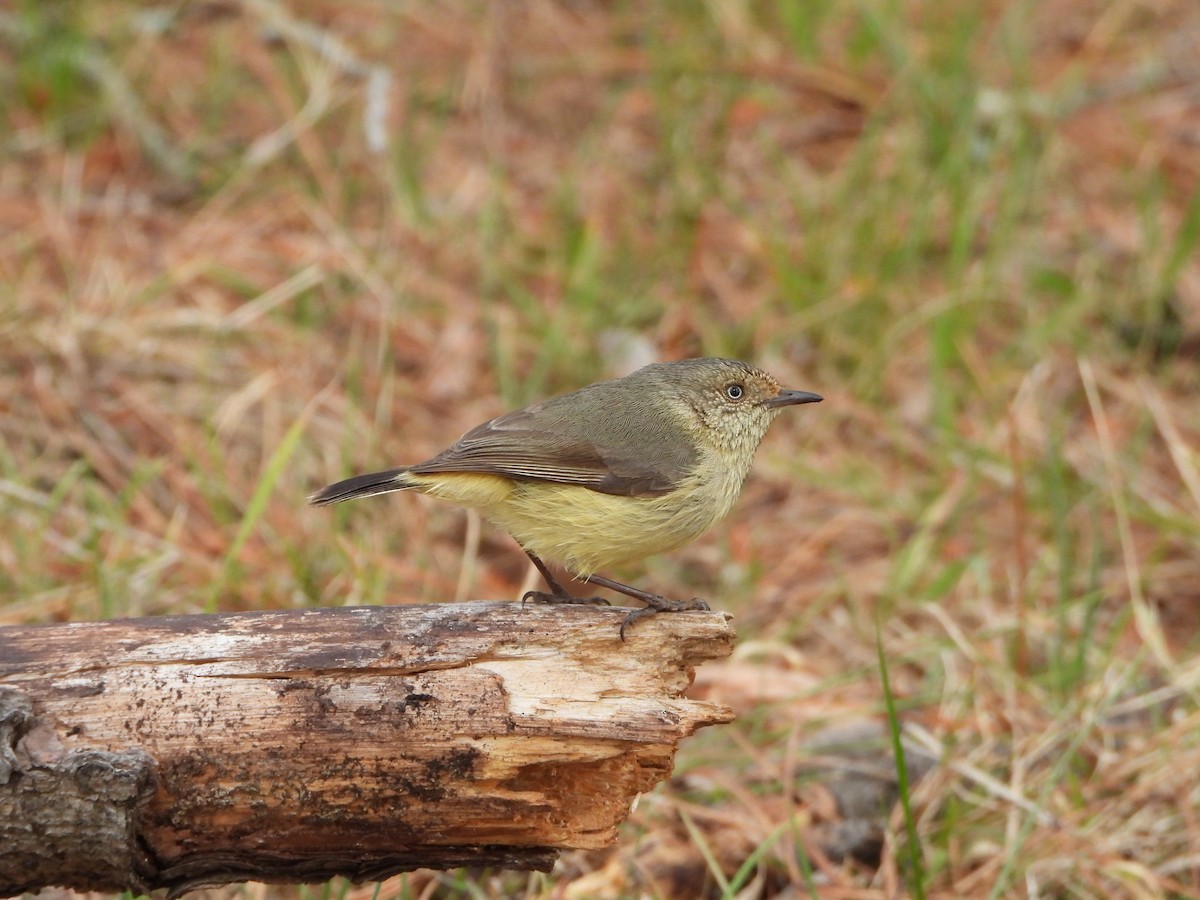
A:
x: 294, y: 746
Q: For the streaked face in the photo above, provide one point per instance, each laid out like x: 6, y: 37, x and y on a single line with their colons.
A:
x: 730, y: 401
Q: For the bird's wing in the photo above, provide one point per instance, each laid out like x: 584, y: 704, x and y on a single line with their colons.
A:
x: 538, y: 444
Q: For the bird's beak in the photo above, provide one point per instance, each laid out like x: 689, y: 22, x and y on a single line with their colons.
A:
x: 792, y: 398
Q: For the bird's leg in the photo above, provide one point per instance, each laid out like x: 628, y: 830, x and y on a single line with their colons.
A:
x: 655, y: 603
x: 558, y: 594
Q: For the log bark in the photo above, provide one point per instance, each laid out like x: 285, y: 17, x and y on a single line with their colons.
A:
x: 293, y: 746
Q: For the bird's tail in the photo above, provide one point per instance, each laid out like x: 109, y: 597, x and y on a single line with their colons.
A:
x: 362, y: 486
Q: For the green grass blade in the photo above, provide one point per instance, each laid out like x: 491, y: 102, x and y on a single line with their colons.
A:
x: 706, y: 851
x: 258, y: 502
x: 916, y: 866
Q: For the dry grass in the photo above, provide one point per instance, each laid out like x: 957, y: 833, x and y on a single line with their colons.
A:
x: 238, y: 261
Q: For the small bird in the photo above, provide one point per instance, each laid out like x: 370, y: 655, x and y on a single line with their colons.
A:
x: 612, y: 473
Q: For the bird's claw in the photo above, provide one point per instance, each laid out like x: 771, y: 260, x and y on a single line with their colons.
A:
x: 657, y: 603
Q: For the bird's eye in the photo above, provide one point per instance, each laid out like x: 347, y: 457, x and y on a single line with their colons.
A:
x: 734, y: 391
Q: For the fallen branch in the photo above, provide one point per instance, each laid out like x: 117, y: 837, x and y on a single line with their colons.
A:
x: 294, y: 746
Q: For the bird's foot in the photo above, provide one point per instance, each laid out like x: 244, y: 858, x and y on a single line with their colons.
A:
x: 656, y: 603
x: 563, y: 598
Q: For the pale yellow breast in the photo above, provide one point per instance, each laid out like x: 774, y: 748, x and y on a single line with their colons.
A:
x: 585, y: 530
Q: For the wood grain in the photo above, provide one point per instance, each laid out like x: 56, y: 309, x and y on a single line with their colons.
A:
x: 297, y: 745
